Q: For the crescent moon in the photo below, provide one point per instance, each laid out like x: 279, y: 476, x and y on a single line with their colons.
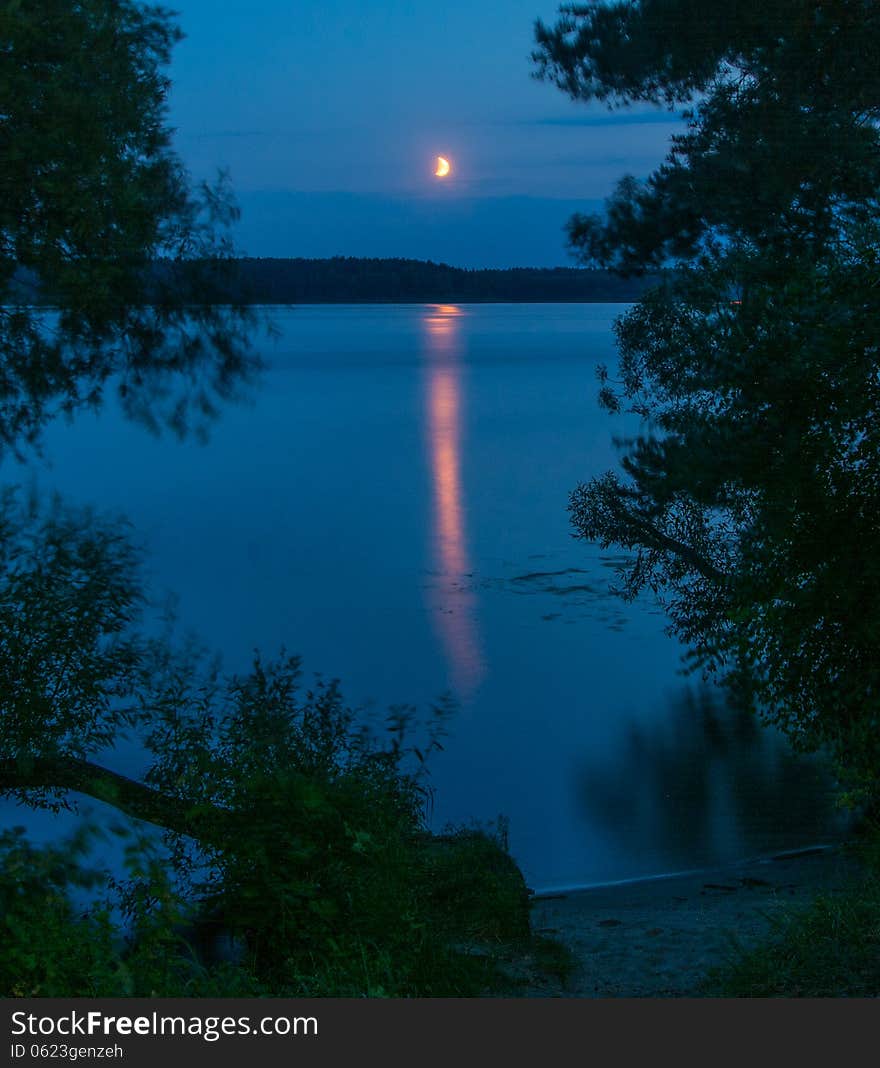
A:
x: 443, y: 168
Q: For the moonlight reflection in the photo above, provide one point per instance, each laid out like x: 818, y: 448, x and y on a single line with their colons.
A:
x: 450, y: 599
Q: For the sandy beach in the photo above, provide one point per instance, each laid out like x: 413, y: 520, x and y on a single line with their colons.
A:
x: 660, y: 937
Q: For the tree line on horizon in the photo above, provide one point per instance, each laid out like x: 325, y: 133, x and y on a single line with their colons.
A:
x: 355, y: 280
x: 345, y: 279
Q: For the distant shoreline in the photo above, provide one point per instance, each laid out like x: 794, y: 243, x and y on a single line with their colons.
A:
x: 458, y: 301
x: 347, y: 280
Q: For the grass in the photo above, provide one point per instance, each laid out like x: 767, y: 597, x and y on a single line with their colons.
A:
x: 828, y: 949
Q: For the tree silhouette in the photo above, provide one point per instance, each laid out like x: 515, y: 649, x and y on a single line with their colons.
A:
x: 750, y: 496
x: 110, y: 260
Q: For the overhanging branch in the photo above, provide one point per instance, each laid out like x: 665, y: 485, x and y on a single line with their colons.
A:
x: 599, y: 513
x: 127, y: 795
x: 653, y: 538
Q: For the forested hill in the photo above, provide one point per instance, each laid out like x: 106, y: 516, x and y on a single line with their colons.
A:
x: 347, y: 280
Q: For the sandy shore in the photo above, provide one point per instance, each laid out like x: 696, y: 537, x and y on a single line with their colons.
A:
x: 660, y: 937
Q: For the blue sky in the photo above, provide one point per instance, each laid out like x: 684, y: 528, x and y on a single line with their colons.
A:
x: 328, y: 115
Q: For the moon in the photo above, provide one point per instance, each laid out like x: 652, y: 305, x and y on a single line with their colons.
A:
x: 443, y: 167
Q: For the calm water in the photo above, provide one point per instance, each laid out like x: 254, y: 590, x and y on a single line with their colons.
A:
x: 392, y: 506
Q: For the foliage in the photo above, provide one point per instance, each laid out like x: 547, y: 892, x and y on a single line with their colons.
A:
x: 68, y: 594
x: 475, y: 887
x: 750, y: 496
x: 91, y: 197
x: 49, y: 951
x: 315, y: 852
x: 60, y: 940
x: 781, y: 147
x: 290, y: 825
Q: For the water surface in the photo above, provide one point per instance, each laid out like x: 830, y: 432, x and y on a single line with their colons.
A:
x: 392, y: 506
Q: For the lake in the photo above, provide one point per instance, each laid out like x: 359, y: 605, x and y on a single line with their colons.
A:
x: 391, y: 505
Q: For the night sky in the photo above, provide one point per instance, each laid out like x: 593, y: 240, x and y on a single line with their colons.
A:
x: 329, y: 114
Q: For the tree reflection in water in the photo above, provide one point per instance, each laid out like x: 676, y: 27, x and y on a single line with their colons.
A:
x: 708, y: 784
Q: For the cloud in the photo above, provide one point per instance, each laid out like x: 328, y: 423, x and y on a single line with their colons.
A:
x: 210, y: 134
x: 614, y: 118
